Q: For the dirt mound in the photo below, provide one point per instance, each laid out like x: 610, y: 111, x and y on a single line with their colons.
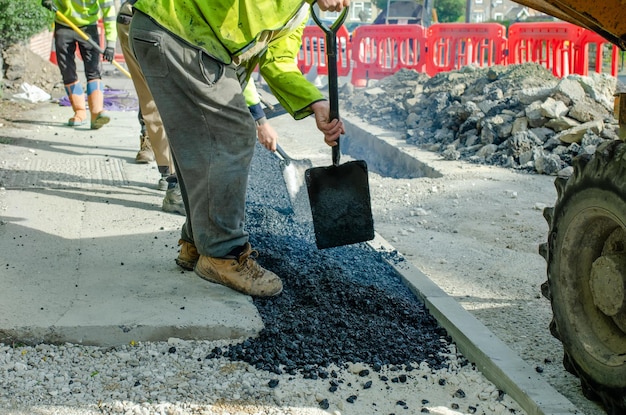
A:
x: 518, y: 116
x: 20, y: 65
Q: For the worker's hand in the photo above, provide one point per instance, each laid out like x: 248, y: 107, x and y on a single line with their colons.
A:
x: 332, y: 129
x: 48, y: 4
x: 109, y: 54
x: 268, y: 137
x: 332, y: 5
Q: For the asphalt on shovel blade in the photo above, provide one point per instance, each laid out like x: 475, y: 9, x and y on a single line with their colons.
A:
x: 340, y: 204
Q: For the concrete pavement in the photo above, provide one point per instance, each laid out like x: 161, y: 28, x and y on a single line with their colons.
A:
x: 87, y: 254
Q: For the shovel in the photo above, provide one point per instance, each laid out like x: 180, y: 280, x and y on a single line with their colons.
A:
x: 339, y: 194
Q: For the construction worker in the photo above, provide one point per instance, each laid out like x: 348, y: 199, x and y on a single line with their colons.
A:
x: 153, y: 143
x: 85, y: 15
x: 153, y: 140
x: 197, y: 56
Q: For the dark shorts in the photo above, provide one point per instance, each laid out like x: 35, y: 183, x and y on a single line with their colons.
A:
x: 65, y: 41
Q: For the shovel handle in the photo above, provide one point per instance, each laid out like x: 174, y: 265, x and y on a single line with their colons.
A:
x: 88, y: 39
x: 284, y: 155
x: 331, y: 62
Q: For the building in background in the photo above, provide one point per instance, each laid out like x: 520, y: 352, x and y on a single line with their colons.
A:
x: 479, y: 11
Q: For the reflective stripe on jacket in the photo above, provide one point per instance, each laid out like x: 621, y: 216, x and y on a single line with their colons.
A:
x: 88, y: 12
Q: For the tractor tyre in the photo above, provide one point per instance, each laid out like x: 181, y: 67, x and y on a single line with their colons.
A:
x: 586, y: 269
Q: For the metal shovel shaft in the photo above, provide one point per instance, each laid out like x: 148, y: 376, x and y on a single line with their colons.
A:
x: 331, y: 62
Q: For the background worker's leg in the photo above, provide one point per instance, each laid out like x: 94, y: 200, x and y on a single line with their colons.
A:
x: 149, y: 112
x: 76, y: 94
x: 95, y: 97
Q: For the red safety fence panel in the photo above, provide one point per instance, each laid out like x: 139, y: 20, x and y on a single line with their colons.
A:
x: 379, y: 51
x: 313, y: 51
x: 591, y: 42
x: 454, y: 45
x: 553, y: 45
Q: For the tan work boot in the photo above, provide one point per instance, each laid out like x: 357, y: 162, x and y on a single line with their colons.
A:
x: 95, y: 97
x: 242, y: 274
x: 188, y: 255
x: 145, y: 154
x: 76, y: 94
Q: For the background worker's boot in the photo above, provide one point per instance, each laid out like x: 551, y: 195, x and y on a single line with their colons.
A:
x: 145, y: 154
x: 76, y: 94
x: 95, y: 97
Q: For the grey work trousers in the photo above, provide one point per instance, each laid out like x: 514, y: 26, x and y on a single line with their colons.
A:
x: 210, y: 130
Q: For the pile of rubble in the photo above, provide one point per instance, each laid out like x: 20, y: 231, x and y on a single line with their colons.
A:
x: 517, y: 116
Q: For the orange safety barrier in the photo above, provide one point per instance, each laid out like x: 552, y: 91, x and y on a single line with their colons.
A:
x: 313, y: 53
x: 53, y: 52
x: 454, y: 45
x: 598, y: 43
x: 553, y: 45
x: 379, y: 51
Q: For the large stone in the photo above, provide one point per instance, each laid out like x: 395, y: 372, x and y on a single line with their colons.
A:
x: 587, y: 110
x: 487, y: 151
x: 562, y: 123
x: 521, y: 142
x: 542, y: 133
x: 530, y: 95
x: 601, y: 87
x: 546, y: 163
x: 519, y: 124
x: 575, y: 134
x: 569, y: 90
x: 552, y: 108
x: 534, y: 114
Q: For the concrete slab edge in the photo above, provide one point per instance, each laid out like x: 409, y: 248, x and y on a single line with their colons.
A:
x: 112, y: 335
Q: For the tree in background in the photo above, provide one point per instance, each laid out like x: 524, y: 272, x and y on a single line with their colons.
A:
x: 19, y: 20
x: 449, y: 11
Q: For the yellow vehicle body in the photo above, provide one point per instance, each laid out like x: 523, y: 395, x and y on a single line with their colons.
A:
x: 605, y: 17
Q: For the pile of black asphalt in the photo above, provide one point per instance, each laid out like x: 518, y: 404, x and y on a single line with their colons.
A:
x: 339, y: 305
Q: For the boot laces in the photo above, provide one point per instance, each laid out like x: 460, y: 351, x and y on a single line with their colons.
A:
x: 247, y: 264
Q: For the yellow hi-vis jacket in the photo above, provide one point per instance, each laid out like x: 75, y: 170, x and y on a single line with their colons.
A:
x: 246, y: 33
x: 88, y: 12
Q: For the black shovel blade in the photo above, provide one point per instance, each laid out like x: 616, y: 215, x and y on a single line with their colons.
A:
x: 340, y: 204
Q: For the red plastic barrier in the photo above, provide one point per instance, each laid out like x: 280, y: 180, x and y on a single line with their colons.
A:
x: 454, y: 45
x: 590, y: 38
x: 313, y: 52
x: 553, y: 45
x: 379, y: 51
x: 53, y: 52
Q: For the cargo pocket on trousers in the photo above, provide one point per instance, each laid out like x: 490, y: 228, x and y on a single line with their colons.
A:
x: 212, y: 70
x: 147, y: 49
